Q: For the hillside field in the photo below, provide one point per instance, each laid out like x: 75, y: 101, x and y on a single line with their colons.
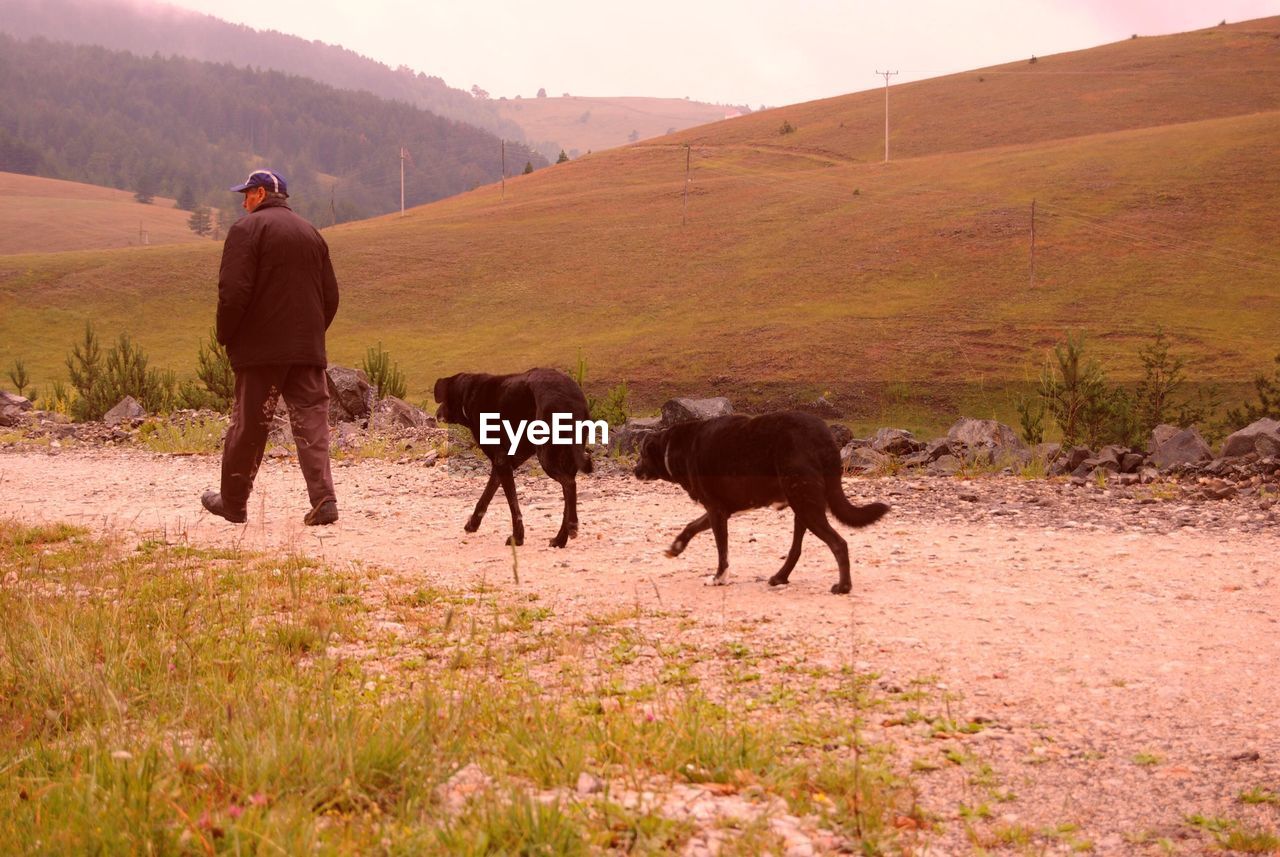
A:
x: 579, y: 125
x: 39, y: 215
x: 804, y: 264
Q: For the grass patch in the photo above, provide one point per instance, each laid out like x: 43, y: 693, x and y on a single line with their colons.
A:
x: 167, y: 699
x: 199, y: 436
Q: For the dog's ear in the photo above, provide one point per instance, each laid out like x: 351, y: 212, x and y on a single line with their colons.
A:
x: 441, y: 390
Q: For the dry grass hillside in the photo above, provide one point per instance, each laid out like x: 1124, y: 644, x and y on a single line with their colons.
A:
x: 806, y: 265
x: 581, y: 124
x: 39, y: 215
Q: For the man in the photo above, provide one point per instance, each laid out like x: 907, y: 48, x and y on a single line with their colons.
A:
x: 277, y: 295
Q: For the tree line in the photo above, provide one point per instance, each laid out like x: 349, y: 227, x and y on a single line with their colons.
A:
x: 171, y: 125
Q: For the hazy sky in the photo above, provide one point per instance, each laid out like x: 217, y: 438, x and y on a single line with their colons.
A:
x: 752, y: 52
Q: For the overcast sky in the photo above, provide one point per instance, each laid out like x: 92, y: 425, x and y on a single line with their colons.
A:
x: 754, y: 52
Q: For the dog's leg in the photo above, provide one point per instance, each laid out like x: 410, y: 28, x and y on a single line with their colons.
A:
x: 682, y: 541
x: 720, y: 528
x: 569, y: 524
x: 509, y: 488
x: 817, y: 521
x: 473, y: 523
x: 784, y: 573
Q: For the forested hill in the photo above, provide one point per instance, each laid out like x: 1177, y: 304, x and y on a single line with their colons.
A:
x: 111, y: 118
x: 146, y: 29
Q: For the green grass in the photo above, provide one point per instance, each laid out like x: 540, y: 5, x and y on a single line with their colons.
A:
x: 168, y: 699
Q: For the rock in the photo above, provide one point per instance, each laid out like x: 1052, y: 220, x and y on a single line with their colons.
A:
x: 127, y: 410
x: 1160, y: 434
x: 862, y: 459
x: 937, y: 448
x: 891, y: 441
x: 1262, y: 437
x: 947, y: 465
x: 393, y: 413
x: 1186, y: 446
x: 588, y: 784
x: 1131, y: 462
x: 10, y: 415
x: 841, y: 434
x: 626, y: 439
x: 13, y: 400
x: 688, y: 410
x: 350, y: 395
x: 988, y: 440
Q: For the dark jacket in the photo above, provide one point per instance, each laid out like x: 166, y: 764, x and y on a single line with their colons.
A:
x: 277, y: 293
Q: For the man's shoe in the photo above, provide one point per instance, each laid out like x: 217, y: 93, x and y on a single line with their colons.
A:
x: 212, y: 501
x: 324, y: 513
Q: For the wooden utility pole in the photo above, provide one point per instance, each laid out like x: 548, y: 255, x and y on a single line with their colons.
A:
x: 886, y: 75
x: 688, y: 155
x: 504, y: 170
x: 402, y: 181
x: 1033, y: 243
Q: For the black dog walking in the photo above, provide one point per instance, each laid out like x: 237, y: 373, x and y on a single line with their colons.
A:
x: 733, y: 463
x: 538, y: 394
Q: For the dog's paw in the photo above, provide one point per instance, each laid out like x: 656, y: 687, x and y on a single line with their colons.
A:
x: 471, y: 525
x: 718, y: 580
x: 677, y: 548
x: 559, y: 541
x: 778, y: 580
x: 842, y: 589
x: 515, y: 540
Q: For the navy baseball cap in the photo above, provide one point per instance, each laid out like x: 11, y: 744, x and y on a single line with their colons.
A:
x: 270, y: 179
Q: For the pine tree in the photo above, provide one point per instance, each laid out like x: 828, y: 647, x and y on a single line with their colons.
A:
x: 199, y: 221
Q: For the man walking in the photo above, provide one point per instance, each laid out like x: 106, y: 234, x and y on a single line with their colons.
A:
x: 277, y: 295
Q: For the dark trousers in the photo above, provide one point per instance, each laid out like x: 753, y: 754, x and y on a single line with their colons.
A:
x: 306, y: 393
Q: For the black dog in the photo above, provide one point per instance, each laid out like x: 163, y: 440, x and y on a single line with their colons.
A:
x: 733, y: 463
x: 534, y: 395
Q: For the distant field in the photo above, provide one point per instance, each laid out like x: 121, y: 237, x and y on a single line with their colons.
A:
x: 39, y: 215
x: 580, y: 125
x: 902, y: 289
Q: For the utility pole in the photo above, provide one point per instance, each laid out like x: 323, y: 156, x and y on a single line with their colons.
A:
x: 1033, y: 243
x: 504, y: 170
x: 402, y: 181
x: 886, y: 75
x: 688, y: 155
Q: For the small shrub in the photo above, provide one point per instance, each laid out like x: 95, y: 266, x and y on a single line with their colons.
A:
x: 18, y: 375
x: 1268, y: 404
x: 787, y: 128
x: 1031, y: 419
x: 217, y: 381
x: 101, y: 382
x: 384, y: 375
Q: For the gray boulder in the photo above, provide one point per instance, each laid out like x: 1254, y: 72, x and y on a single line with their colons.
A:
x: 350, y: 395
x: 841, y: 434
x: 891, y: 441
x: 862, y: 459
x: 987, y: 440
x: 945, y: 465
x: 8, y: 399
x: 1262, y: 437
x: 394, y: 413
x: 1160, y: 434
x: 689, y: 410
x: 626, y: 438
x: 1184, y: 447
x: 126, y: 411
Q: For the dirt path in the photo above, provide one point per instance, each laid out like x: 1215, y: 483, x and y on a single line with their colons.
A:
x: 1127, y: 652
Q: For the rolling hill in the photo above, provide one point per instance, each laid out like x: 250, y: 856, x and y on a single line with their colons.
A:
x: 802, y: 264
x: 578, y: 125
x: 39, y: 215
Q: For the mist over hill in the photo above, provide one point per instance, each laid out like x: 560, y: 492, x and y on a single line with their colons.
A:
x: 171, y: 124
x: 145, y: 28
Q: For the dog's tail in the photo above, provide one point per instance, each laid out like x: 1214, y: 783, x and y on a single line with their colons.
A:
x: 849, y: 514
